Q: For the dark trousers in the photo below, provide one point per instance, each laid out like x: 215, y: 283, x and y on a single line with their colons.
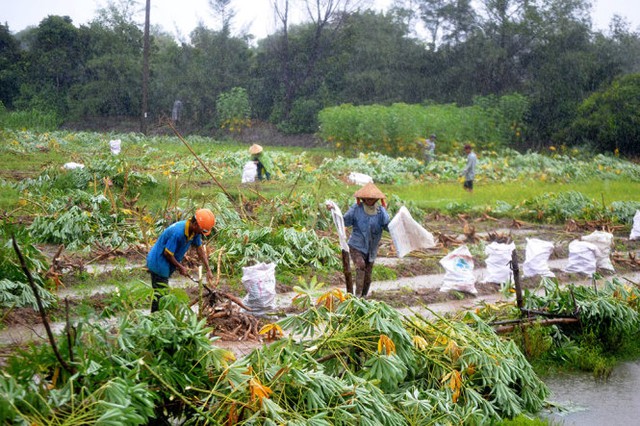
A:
x: 262, y: 170
x: 363, y: 271
x: 159, y: 284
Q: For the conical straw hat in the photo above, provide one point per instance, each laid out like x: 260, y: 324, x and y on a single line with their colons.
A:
x: 369, y: 191
x: 255, y: 149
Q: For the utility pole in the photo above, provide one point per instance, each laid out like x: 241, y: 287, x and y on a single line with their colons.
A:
x: 145, y: 70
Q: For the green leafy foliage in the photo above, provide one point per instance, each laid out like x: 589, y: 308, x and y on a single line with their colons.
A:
x: 608, y: 119
x: 234, y: 111
x: 15, y: 291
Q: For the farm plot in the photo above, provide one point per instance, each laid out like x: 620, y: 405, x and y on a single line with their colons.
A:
x: 330, y: 358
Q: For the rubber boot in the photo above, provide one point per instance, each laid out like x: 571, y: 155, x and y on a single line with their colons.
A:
x: 359, y: 282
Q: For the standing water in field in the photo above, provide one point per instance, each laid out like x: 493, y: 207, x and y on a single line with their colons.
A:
x: 587, y: 401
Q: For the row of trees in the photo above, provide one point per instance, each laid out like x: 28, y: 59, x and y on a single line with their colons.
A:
x: 420, y: 51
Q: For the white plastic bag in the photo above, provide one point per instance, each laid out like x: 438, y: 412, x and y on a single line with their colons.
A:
x: 359, y: 178
x: 338, y: 220
x: 537, y: 256
x: 249, y: 172
x: 635, y: 231
x: 115, y: 146
x: 407, y: 234
x: 260, y: 283
x: 498, y: 262
x: 73, y: 166
x: 459, y: 271
x: 604, y: 242
x: 582, y: 257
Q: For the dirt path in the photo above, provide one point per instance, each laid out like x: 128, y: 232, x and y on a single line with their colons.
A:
x: 410, y: 295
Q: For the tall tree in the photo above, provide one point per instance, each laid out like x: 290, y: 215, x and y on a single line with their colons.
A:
x: 322, y: 15
x: 54, y: 63
x: 10, y: 67
x: 111, y: 82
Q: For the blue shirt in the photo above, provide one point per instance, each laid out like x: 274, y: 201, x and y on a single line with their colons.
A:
x: 175, y: 240
x: 367, y: 229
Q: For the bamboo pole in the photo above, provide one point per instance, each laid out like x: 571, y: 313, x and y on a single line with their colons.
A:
x: 170, y: 124
x: 529, y: 323
x: 346, y: 268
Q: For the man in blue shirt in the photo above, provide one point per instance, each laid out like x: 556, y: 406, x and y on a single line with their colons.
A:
x: 172, y: 245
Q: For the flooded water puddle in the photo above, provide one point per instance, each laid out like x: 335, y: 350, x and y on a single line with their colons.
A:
x: 587, y: 401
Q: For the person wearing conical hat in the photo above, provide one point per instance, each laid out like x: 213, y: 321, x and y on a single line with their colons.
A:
x: 262, y: 160
x: 166, y: 254
x: 367, y: 219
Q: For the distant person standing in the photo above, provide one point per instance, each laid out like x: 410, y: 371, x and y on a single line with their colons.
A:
x: 430, y: 149
x: 469, y: 172
x: 176, y: 111
x: 262, y: 160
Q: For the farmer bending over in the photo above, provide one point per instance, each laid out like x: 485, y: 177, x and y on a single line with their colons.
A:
x: 167, y: 253
x: 263, y: 162
x: 367, y: 220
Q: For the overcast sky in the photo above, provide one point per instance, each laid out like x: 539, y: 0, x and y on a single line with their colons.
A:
x: 179, y: 17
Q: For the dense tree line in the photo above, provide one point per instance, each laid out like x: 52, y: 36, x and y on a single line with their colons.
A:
x: 420, y: 51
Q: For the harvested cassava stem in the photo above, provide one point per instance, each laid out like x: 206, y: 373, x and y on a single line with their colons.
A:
x: 43, y: 314
x: 516, y: 278
x: 528, y: 323
x: 346, y: 267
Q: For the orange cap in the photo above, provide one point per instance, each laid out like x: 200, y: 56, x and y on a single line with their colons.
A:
x: 206, y: 220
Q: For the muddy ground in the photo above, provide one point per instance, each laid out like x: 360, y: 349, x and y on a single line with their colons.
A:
x: 410, y: 283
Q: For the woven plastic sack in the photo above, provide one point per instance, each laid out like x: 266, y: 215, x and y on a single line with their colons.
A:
x: 338, y: 220
x: 582, y: 257
x: 635, y: 231
x: 359, y: 178
x: 260, y: 283
x: 249, y: 172
x: 604, y: 242
x: 115, y: 145
x: 407, y: 234
x: 498, y: 262
x: 459, y: 271
x: 537, y: 255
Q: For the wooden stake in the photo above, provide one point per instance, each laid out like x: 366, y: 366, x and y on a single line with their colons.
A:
x: 346, y: 267
x: 516, y: 278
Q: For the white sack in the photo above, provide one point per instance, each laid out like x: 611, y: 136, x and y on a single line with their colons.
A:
x: 260, y: 283
x: 498, y: 262
x: 635, y: 231
x: 459, y: 271
x: 338, y: 220
x: 407, y: 234
x: 604, y: 242
x: 115, y: 146
x: 359, y: 178
x: 73, y: 166
x: 249, y: 172
x: 582, y: 257
x: 537, y: 258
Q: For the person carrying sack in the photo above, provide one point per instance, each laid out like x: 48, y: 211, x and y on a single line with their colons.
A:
x: 263, y: 162
x: 368, y: 219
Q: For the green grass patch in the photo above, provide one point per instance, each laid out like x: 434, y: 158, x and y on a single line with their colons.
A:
x: 448, y: 195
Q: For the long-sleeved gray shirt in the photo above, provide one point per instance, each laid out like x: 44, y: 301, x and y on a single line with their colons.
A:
x: 469, y: 171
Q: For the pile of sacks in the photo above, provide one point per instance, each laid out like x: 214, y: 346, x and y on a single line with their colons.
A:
x: 586, y: 255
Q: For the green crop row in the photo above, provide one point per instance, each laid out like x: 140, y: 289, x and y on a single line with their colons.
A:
x: 396, y: 130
